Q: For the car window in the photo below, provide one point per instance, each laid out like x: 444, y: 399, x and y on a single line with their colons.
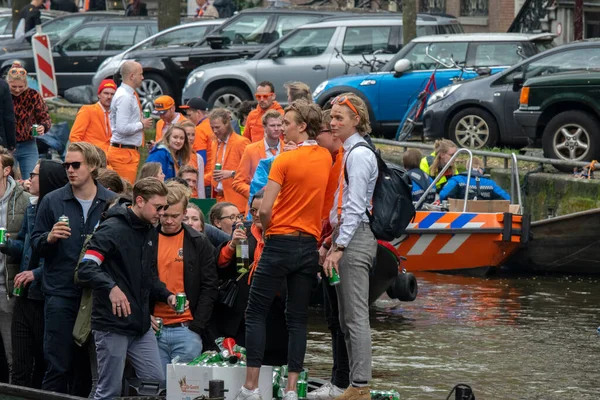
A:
x: 178, y: 37
x: 544, y: 45
x: 444, y: 51
x: 306, y: 43
x: 153, y: 29
x: 121, y: 37
x: 494, y: 54
x: 86, y: 39
x: 246, y: 30
x: 59, y: 28
x: 366, y: 39
x: 425, y: 30
x: 4, y: 23
x: 564, y: 61
x: 287, y: 23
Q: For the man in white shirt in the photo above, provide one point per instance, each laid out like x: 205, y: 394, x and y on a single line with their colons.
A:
x: 127, y: 122
x: 355, y: 246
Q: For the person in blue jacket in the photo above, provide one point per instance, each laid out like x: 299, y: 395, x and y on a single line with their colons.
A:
x: 480, y: 188
x: 420, y: 180
x: 172, y: 151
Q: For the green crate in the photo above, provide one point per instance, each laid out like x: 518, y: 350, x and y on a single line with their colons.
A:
x: 204, y: 204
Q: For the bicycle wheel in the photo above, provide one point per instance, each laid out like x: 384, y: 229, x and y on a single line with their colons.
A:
x: 407, y: 125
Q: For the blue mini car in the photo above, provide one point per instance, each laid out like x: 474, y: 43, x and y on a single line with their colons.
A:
x: 391, y: 91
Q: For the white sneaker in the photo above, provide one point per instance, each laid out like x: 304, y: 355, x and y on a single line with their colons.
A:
x: 326, y: 392
x: 247, y: 394
x: 290, y: 395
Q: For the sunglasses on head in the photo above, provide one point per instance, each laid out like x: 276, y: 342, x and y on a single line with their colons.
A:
x: 75, y: 165
x: 17, y: 72
x: 344, y: 101
x: 262, y: 96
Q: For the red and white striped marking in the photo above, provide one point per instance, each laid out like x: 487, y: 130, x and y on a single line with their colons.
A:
x: 44, y: 66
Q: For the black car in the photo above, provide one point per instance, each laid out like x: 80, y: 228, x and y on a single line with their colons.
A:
x: 56, y: 29
x: 78, y: 55
x: 481, y: 110
x: 244, y: 35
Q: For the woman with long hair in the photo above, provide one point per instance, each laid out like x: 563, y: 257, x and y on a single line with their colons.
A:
x: 31, y: 115
x: 443, y: 150
x: 151, y: 170
x: 172, y: 151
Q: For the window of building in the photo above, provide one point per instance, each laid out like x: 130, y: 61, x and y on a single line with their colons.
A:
x: 474, y: 8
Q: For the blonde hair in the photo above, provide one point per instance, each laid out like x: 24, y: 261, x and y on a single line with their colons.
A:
x: 17, y: 73
x: 271, y: 114
x: 90, y: 155
x: 177, y: 194
x: 308, y: 113
x: 149, y: 187
x: 188, y: 124
x: 441, y: 146
x: 222, y: 113
x: 326, y: 118
x: 298, y: 91
x: 182, y: 154
x: 364, y: 125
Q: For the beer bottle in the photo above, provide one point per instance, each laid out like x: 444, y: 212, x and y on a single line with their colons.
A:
x: 241, y: 254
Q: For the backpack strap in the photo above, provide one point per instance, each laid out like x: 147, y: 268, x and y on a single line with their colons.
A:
x: 478, y: 185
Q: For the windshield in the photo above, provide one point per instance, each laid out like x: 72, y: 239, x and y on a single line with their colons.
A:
x: 246, y: 30
x: 4, y: 23
x: 179, y: 37
x: 59, y: 28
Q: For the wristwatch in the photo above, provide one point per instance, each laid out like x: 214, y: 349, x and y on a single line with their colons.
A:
x: 232, y: 174
x: 337, y: 247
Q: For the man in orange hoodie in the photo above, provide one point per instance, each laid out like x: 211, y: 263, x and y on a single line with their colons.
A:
x: 271, y: 146
x: 228, y: 149
x: 92, y: 124
x: 265, y: 95
x: 197, y: 112
x: 164, y: 107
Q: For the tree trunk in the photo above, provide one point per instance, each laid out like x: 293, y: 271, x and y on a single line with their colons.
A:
x: 409, y: 20
x: 578, y: 20
x: 16, y: 12
x: 168, y: 14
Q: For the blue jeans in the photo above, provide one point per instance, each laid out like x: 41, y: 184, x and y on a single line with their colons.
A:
x: 27, y: 155
x: 112, y: 349
x: 178, y: 341
x: 294, y: 259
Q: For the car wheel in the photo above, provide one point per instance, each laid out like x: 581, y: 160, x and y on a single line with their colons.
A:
x: 153, y: 86
x: 229, y: 97
x: 572, y: 136
x: 473, y: 128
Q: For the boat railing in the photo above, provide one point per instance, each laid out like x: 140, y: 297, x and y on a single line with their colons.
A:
x: 443, y: 171
x: 515, y: 186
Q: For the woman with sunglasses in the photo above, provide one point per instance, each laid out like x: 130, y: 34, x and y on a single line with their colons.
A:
x: 172, y: 151
x: 32, y: 118
x: 230, y: 322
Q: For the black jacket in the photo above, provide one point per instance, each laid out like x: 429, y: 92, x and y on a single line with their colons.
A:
x: 60, y: 258
x: 7, y: 111
x: 199, y: 277
x: 32, y: 16
x: 64, y: 5
x: 122, y: 252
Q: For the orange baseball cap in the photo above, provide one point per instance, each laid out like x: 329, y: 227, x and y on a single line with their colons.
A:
x: 163, y: 104
x: 107, y: 84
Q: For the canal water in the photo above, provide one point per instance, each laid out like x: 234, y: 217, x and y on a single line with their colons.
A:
x: 508, y: 337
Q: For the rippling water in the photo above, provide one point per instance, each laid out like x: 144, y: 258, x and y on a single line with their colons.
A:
x: 506, y: 337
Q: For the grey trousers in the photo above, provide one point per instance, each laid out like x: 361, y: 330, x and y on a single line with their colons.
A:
x: 112, y: 349
x: 6, y: 315
x: 353, y: 299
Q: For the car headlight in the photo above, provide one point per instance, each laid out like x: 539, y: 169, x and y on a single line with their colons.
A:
x: 442, y: 94
x: 319, y: 89
x: 193, y: 78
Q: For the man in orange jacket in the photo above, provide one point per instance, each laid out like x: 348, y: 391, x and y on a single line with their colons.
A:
x: 92, y: 124
x: 265, y: 95
x: 197, y: 112
x: 164, y: 107
x: 228, y: 148
x: 269, y: 147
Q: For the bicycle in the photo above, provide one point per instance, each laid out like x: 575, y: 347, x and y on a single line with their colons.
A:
x: 373, y: 64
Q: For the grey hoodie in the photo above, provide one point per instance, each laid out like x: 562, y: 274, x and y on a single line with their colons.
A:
x: 4, y: 221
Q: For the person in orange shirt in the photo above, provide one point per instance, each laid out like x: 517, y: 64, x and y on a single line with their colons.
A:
x: 269, y: 147
x: 164, y: 107
x: 228, y: 148
x: 265, y: 95
x: 197, y: 112
x: 92, y: 124
x: 186, y: 264
x: 291, y: 217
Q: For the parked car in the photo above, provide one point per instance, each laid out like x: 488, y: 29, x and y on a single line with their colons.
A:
x: 56, y: 29
x: 563, y: 111
x: 180, y: 35
x: 479, y: 113
x: 78, y: 54
x: 243, y: 35
x: 6, y: 26
x: 308, y: 54
x: 496, y: 51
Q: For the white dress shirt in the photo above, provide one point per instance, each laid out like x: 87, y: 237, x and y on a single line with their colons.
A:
x: 357, y: 195
x: 126, y: 117
x: 268, y: 148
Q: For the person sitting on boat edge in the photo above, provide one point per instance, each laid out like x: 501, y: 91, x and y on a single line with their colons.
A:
x: 420, y: 180
x: 443, y: 150
x: 480, y: 188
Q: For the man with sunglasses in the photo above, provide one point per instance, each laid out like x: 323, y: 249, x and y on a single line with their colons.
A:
x: 82, y: 200
x: 120, y: 266
x: 265, y: 95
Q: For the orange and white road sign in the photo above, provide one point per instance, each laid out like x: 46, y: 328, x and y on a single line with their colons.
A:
x: 44, y: 66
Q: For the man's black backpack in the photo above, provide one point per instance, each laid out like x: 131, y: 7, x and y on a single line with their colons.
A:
x: 393, y: 208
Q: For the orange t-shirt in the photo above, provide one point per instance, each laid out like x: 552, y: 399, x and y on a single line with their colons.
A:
x: 299, y: 204
x: 170, y: 272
